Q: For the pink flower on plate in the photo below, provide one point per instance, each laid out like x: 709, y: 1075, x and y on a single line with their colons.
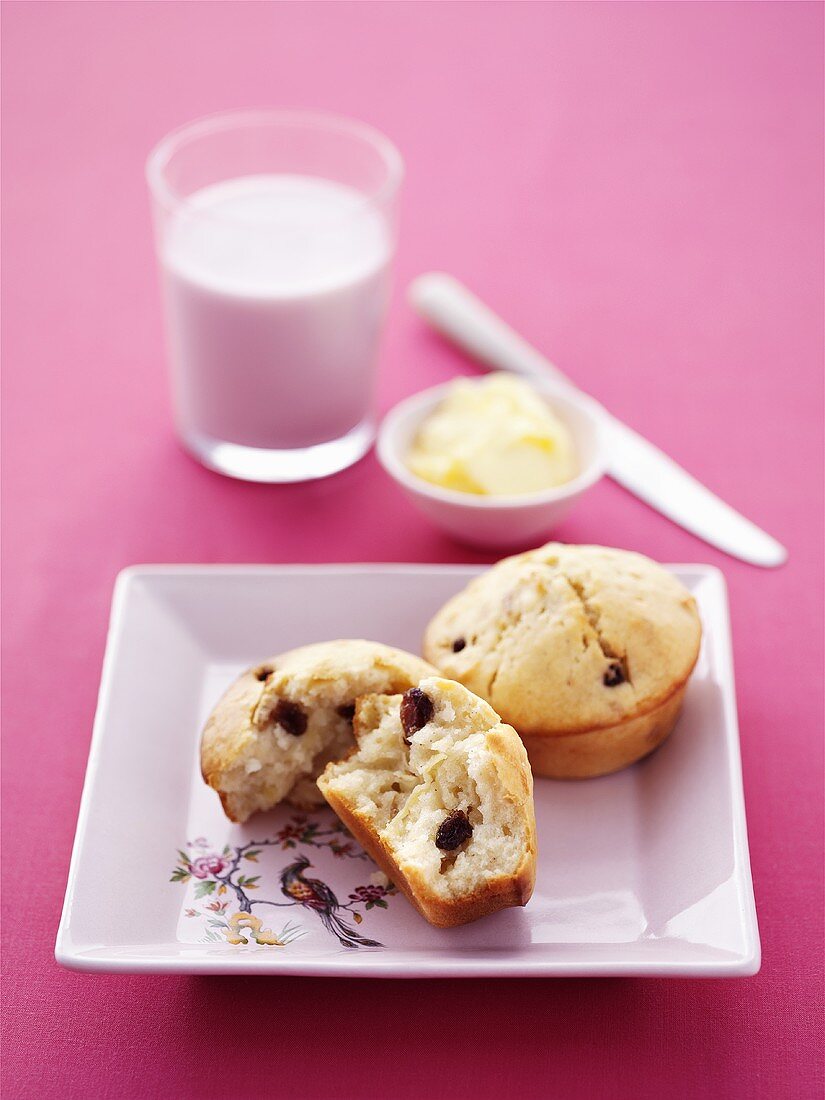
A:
x: 204, y: 866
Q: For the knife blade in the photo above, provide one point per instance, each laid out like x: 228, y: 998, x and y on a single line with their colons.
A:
x: 655, y: 478
x: 633, y: 461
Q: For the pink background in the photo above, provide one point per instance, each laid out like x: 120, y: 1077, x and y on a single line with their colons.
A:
x: 638, y: 188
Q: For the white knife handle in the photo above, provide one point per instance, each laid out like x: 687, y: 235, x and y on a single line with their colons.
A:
x: 456, y: 313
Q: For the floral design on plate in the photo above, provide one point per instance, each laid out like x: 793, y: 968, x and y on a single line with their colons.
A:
x: 221, y: 877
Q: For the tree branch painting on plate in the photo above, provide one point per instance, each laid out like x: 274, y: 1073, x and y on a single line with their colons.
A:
x: 222, y: 878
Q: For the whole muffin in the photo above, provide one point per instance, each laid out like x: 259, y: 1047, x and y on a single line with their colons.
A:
x: 280, y: 723
x: 585, y: 650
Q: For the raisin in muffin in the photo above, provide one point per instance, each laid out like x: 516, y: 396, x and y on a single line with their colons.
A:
x: 280, y: 722
x: 439, y: 792
x: 585, y: 650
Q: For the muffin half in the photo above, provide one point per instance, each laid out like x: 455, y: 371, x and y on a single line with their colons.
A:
x: 439, y: 793
x: 280, y: 722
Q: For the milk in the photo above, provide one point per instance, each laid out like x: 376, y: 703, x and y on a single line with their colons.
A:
x: 276, y: 288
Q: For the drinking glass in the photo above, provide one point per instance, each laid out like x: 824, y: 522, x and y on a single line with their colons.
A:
x: 275, y: 232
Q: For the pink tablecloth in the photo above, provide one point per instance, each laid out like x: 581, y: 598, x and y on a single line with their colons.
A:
x: 637, y: 188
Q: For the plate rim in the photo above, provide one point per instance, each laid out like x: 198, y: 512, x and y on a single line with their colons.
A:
x: 741, y: 965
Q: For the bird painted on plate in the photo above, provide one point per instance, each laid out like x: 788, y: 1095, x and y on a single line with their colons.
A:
x: 317, y: 896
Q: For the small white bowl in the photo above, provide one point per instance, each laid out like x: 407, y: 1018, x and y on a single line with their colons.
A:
x: 495, y: 521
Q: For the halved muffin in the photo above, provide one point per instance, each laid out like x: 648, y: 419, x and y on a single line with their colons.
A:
x: 439, y: 792
x: 280, y: 722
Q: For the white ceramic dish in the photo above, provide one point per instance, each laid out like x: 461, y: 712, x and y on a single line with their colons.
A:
x: 498, y: 522
x: 645, y: 872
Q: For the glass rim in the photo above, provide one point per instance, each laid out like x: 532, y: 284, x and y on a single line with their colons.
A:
x: 160, y: 156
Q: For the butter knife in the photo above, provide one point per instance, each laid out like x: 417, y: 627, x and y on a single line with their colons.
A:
x: 638, y: 465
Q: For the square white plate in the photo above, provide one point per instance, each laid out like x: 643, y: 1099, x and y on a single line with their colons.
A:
x: 645, y: 872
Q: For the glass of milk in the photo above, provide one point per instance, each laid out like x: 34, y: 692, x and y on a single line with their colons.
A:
x: 275, y: 231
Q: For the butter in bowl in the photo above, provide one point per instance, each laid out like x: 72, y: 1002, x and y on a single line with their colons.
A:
x: 495, y: 461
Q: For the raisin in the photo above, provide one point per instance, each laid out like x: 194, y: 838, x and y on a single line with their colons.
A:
x: 416, y: 711
x: 614, y: 675
x: 459, y: 644
x: 263, y: 673
x: 453, y: 831
x: 346, y: 710
x: 291, y: 716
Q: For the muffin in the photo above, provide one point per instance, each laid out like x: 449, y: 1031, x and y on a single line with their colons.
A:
x: 439, y: 793
x: 281, y: 722
x: 586, y: 650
